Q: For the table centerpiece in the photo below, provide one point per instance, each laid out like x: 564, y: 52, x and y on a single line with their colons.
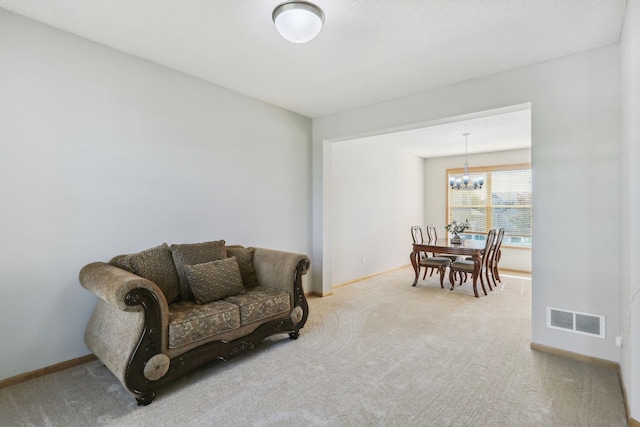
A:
x: 455, y: 228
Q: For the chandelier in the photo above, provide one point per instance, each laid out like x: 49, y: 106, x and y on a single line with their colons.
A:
x: 298, y: 21
x: 465, y: 182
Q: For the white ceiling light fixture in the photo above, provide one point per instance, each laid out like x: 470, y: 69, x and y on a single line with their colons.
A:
x: 298, y: 21
x: 465, y: 182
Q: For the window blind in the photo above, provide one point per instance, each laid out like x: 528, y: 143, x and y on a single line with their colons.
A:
x: 505, y: 200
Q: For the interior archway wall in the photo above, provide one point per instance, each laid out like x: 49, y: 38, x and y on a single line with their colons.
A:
x: 575, y: 131
x: 379, y: 191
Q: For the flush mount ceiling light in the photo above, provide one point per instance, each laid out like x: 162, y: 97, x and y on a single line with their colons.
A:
x: 298, y: 21
x: 465, y: 182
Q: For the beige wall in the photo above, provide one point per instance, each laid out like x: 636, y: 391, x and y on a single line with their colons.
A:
x: 575, y: 125
x: 102, y: 153
x: 378, y: 196
x: 630, y: 206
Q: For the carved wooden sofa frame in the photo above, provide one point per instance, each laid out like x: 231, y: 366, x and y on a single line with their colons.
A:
x: 147, y: 368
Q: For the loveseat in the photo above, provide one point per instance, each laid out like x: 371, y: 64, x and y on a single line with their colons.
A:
x: 164, y: 311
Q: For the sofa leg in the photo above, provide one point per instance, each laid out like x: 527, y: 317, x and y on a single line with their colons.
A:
x: 294, y: 335
x: 146, y: 399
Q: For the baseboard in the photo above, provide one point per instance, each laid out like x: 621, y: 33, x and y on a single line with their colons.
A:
x: 317, y: 294
x: 575, y: 356
x: 350, y: 282
x: 513, y: 270
x: 596, y: 361
x: 20, y: 378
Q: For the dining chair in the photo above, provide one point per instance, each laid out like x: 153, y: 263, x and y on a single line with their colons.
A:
x: 494, y: 258
x: 418, y: 237
x: 432, y: 235
x: 429, y: 262
x: 466, y: 266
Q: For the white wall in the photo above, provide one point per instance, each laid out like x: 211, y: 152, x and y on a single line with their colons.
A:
x: 436, y: 195
x: 102, y: 153
x: 575, y: 137
x: 630, y: 206
x: 378, y: 195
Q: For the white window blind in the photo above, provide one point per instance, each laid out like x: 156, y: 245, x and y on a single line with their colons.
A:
x: 504, y: 201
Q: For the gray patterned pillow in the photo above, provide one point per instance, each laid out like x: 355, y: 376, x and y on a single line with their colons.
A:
x: 215, y: 280
x: 155, y: 264
x: 192, y: 254
x: 245, y: 263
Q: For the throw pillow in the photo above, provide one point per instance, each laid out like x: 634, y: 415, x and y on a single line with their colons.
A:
x: 245, y: 263
x: 121, y: 261
x: 155, y: 264
x: 192, y: 254
x: 215, y: 280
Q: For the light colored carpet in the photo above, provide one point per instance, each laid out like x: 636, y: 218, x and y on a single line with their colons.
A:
x: 377, y: 352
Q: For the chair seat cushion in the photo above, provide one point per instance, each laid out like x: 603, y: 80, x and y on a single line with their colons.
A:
x: 463, y: 265
x: 435, y: 261
x: 190, y: 321
x: 260, y: 302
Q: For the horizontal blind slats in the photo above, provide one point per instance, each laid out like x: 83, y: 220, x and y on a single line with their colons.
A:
x: 508, y: 205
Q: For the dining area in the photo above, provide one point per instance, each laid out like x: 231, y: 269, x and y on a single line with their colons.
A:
x: 462, y: 258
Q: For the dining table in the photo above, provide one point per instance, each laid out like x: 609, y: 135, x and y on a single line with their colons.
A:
x: 468, y: 247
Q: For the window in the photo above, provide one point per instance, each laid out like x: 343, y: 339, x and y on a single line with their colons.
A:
x: 504, y: 201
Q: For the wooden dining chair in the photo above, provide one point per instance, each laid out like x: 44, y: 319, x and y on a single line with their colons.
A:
x: 466, y: 266
x: 418, y: 237
x: 494, y: 258
x: 416, y: 234
x: 432, y: 235
x: 429, y: 262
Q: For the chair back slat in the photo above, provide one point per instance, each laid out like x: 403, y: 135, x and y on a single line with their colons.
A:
x: 416, y: 234
x: 494, y: 256
x: 432, y: 234
x: 488, y: 247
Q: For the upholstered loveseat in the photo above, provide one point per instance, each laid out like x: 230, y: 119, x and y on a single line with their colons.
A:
x: 167, y: 310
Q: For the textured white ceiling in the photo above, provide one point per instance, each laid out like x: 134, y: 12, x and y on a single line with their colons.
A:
x: 494, y: 132
x: 368, y: 51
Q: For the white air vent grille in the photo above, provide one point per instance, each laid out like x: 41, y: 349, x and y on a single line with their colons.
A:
x: 574, y: 321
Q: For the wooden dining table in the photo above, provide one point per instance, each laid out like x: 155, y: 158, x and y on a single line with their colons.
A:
x: 470, y: 248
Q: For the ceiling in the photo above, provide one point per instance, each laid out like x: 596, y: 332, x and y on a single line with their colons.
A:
x: 488, y: 132
x: 367, y: 52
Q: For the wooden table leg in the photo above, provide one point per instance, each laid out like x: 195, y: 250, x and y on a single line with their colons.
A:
x: 416, y: 267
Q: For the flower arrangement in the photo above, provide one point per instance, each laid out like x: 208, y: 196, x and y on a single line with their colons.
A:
x: 458, y: 227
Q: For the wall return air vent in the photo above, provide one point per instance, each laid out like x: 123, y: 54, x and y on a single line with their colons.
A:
x: 574, y: 321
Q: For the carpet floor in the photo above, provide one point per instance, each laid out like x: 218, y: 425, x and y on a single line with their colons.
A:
x: 376, y: 353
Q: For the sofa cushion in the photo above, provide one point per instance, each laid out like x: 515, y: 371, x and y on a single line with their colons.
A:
x: 211, y: 281
x: 191, y: 254
x: 260, y: 302
x: 155, y: 264
x: 245, y: 262
x: 189, y: 321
